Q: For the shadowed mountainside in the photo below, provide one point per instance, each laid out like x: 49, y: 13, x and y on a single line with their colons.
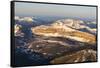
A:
x: 62, y: 41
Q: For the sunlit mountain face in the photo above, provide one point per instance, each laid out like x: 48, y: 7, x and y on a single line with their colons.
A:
x: 54, y: 40
x: 48, y: 34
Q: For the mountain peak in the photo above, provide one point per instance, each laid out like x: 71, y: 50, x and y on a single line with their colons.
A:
x: 61, y: 30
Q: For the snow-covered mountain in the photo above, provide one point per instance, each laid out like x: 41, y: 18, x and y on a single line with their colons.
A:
x: 89, y: 27
x: 41, y: 41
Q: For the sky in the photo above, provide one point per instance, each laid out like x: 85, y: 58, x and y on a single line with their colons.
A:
x: 38, y: 9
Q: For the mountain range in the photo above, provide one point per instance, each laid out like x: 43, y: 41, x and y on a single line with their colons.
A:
x: 39, y: 42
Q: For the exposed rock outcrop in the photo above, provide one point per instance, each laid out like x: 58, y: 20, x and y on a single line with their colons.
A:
x: 80, y: 56
x: 64, y: 31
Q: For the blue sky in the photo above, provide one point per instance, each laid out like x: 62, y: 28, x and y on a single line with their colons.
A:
x: 37, y: 9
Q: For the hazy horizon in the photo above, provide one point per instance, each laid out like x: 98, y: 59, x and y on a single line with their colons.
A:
x: 39, y: 9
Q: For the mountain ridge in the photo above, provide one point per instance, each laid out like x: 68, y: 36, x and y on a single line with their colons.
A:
x: 63, y: 31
